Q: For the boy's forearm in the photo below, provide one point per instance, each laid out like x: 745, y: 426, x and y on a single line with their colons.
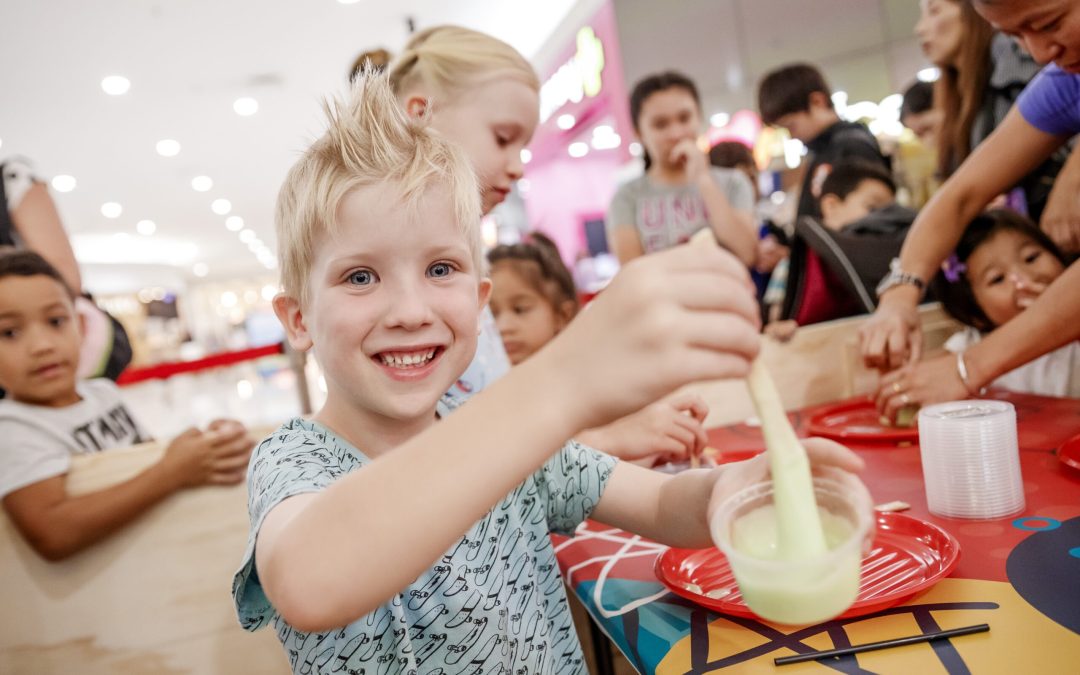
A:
x: 682, y: 513
x: 392, y: 519
x: 78, y: 522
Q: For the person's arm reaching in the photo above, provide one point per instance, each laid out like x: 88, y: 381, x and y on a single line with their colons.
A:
x: 673, y: 510
x: 1049, y: 323
x: 39, y: 226
x: 57, y: 525
x: 733, y: 228
x: 1061, y: 217
x: 665, y: 320
x: 892, y: 336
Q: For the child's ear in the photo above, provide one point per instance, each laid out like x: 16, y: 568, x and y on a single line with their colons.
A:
x: 483, y: 294
x: 819, y: 99
x: 291, y: 316
x: 829, y: 204
x: 416, y: 105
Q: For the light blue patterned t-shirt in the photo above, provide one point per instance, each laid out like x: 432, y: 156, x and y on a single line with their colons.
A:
x: 494, y: 603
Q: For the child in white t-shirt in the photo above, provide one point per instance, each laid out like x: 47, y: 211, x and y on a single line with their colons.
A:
x: 1001, y: 265
x: 49, y: 415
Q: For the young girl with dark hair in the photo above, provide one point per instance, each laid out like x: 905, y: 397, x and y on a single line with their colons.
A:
x: 679, y: 193
x: 1001, y: 265
x: 533, y: 298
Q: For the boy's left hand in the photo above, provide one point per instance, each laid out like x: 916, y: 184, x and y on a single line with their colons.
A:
x: 823, y: 453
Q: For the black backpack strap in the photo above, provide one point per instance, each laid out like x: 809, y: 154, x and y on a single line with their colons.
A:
x: 7, y: 226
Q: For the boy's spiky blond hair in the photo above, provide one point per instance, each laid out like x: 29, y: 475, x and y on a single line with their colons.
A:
x: 369, y: 140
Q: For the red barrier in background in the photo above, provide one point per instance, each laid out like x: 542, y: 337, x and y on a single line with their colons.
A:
x: 161, y: 371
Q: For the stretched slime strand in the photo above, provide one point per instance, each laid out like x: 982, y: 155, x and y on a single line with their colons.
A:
x: 800, y: 535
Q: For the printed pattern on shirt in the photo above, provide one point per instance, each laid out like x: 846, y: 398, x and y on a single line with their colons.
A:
x: 670, y: 219
x: 493, y: 603
x: 115, y: 428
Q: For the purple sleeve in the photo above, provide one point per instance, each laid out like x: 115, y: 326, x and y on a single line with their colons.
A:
x: 1051, y: 102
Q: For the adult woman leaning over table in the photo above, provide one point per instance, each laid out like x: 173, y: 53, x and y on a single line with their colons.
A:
x: 1045, y: 117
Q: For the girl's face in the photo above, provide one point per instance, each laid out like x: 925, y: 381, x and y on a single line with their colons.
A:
x: 939, y: 30
x: 1048, y: 29
x: 1008, y: 272
x: 526, y: 319
x: 668, y: 117
x: 492, y: 122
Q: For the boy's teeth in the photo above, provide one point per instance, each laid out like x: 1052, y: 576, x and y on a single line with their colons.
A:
x: 407, y: 360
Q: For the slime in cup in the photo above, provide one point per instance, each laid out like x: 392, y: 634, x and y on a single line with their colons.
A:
x: 794, y: 543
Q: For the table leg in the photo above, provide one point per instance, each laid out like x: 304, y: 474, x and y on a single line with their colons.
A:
x: 605, y: 660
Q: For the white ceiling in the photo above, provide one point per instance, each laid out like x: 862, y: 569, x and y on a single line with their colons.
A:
x: 188, y: 60
x: 864, y: 47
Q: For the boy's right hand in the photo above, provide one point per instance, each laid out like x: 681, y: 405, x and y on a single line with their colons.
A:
x: 218, y: 456
x: 679, y: 316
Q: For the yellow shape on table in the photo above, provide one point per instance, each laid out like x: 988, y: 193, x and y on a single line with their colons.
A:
x: 1021, y: 639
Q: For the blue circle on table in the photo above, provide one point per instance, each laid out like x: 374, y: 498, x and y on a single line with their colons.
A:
x: 1041, y: 571
x: 1022, y: 523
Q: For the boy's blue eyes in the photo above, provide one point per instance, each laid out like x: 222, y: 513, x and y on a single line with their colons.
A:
x: 362, y: 277
x: 365, y: 277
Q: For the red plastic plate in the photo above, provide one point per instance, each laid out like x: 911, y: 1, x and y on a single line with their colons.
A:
x: 908, y: 557
x: 857, y: 420
x: 1069, y: 453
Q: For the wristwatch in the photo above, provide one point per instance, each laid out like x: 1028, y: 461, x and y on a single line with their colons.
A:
x: 897, y: 277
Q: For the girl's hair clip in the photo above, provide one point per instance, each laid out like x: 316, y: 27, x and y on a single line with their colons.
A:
x: 953, y: 268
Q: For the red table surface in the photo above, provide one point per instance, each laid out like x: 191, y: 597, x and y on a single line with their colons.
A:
x: 894, y: 472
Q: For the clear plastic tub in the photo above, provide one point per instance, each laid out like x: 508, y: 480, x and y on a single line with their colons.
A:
x: 799, y: 591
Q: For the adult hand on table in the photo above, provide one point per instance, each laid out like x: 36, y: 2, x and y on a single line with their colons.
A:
x: 920, y: 384
x: 892, y: 336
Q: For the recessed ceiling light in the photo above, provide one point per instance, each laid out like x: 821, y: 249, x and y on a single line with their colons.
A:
x: 115, y: 85
x: 146, y: 227
x: 248, y: 236
x: 245, y: 106
x: 111, y: 210
x: 201, y: 183
x: 578, y: 149
x: 63, y: 183
x: 234, y: 223
x: 566, y: 121
x: 168, y: 148
x: 526, y: 156
x: 221, y: 206
x: 200, y: 269
x: 719, y: 119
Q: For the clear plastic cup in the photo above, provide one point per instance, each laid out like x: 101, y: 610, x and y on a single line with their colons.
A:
x: 804, y: 591
x: 971, y: 460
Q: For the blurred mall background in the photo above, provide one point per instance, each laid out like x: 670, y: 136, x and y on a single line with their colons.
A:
x: 165, y: 128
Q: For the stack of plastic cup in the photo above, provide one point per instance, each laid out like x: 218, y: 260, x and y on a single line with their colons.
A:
x: 970, y: 459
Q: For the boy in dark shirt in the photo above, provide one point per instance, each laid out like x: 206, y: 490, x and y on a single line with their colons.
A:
x: 797, y: 98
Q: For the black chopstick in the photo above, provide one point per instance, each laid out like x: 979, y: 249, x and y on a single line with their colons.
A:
x: 884, y: 644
